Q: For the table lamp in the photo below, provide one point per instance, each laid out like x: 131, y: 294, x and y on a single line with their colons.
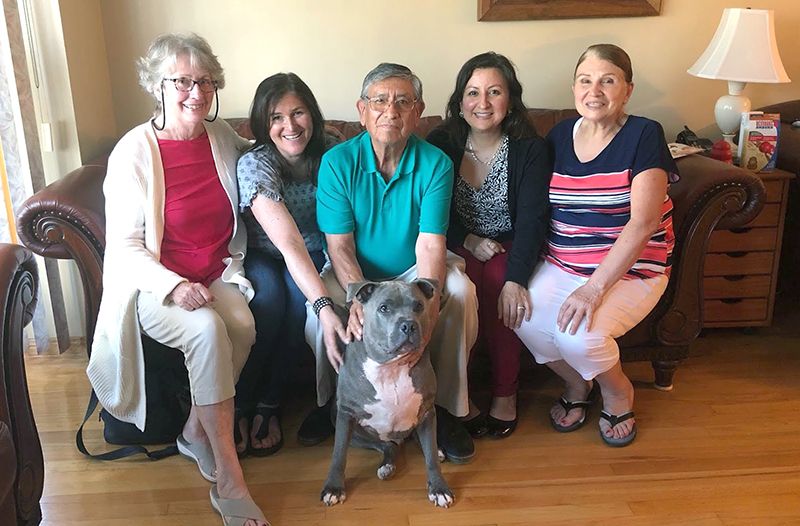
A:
x: 743, y: 50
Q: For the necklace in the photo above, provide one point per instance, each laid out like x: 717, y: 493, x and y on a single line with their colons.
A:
x: 490, y: 161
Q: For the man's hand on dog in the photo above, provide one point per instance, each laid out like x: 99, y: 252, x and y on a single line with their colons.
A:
x: 331, y: 328
x: 355, y: 323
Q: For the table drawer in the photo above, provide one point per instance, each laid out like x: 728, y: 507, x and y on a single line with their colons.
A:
x: 769, y: 216
x: 774, y: 191
x: 728, y: 263
x: 735, y: 310
x: 743, y: 239
x: 736, y: 286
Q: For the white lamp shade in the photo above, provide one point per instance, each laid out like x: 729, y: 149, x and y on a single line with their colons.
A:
x: 743, y: 49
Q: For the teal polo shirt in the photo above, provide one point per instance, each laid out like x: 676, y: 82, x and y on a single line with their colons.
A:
x: 385, y: 218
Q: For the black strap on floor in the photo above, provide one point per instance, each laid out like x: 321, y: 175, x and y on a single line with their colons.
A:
x: 122, y: 452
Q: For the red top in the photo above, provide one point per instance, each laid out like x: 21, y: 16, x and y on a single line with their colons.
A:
x: 198, y: 218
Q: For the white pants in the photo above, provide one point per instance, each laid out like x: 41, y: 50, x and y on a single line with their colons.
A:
x: 589, y: 353
x: 452, y: 339
x: 215, y: 339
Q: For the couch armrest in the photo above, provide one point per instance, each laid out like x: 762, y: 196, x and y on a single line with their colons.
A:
x: 709, y: 195
x: 18, y: 293
x: 66, y: 220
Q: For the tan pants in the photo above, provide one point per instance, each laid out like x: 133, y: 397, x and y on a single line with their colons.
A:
x: 452, y: 339
x: 215, y: 339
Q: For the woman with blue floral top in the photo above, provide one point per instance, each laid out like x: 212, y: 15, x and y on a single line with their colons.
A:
x: 277, y: 196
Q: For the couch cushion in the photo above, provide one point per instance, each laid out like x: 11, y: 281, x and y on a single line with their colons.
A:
x: 544, y: 120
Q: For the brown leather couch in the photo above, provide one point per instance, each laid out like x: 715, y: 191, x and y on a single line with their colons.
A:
x: 21, y: 463
x: 789, y: 160
x: 66, y: 220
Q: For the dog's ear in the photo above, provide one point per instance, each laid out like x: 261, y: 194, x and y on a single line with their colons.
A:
x: 361, y: 291
x: 427, y: 286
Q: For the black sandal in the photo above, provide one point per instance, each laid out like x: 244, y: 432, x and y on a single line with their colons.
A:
x: 266, y: 413
x: 568, y: 406
x: 613, y: 420
x: 238, y: 414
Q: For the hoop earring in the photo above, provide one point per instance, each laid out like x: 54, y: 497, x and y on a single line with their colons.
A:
x: 163, y: 114
x: 216, y: 112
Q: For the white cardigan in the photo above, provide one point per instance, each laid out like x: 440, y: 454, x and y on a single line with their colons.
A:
x: 134, y: 193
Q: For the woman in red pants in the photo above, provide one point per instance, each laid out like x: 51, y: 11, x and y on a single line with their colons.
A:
x: 499, y: 215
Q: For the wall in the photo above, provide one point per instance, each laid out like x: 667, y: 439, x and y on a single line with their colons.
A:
x: 85, y: 49
x: 332, y: 44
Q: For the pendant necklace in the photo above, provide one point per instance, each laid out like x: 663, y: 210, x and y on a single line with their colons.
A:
x: 471, y: 150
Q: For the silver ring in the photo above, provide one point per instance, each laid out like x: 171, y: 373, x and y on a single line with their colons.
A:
x: 520, y: 307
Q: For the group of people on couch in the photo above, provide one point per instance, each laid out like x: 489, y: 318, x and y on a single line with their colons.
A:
x: 235, y: 252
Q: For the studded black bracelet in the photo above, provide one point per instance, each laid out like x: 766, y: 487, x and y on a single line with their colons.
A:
x: 320, y: 303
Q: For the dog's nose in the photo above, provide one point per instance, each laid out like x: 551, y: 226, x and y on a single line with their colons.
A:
x: 408, y: 327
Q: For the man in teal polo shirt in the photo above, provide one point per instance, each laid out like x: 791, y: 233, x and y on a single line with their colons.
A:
x: 383, y: 201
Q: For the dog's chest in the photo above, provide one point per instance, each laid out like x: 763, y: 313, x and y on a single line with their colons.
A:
x: 397, y: 403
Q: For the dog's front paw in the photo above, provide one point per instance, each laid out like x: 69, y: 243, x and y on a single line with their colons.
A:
x: 386, y: 471
x: 440, y: 495
x: 332, y: 495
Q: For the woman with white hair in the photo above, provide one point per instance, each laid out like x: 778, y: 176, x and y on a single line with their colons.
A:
x: 173, y: 263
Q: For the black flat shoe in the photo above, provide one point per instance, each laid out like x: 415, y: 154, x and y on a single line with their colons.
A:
x: 476, y: 426
x: 316, y: 427
x: 497, y: 428
x: 452, y: 437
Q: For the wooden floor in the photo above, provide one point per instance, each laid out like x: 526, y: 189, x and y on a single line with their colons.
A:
x: 722, y: 448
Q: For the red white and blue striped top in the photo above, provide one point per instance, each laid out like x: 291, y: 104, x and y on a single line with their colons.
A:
x: 591, y: 201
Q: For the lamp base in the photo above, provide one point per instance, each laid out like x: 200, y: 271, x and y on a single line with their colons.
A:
x: 729, y: 108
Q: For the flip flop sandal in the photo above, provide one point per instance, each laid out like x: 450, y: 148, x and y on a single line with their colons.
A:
x: 238, y: 414
x: 568, y: 406
x: 201, y: 454
x: 235, y: 512
x: 266, y: 414
x: 614, y: 420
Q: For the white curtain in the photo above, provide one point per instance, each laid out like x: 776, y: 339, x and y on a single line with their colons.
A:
x: 22, y: 170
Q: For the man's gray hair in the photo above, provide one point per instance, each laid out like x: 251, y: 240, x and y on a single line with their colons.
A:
x: 163, y: 53
x: 386, y: 70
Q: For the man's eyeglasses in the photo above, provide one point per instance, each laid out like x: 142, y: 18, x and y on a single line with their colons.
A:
x: 381, y: 104
x: 186, y: 84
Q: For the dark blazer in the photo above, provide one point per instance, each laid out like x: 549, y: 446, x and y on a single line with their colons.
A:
x: 529, y: 171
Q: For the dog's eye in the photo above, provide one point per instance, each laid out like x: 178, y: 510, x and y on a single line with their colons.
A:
x: 383, y: 308
x: 418, y: 306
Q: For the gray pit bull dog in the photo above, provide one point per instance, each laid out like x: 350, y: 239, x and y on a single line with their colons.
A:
x: 387, y: 386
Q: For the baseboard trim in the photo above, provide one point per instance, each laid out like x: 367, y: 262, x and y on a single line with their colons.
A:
x: 52, y: 346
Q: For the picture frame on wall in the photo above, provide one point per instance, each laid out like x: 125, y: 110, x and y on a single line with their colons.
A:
x: 500, y: 10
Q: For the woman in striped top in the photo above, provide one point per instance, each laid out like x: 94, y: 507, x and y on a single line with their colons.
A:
x: 609, y: 248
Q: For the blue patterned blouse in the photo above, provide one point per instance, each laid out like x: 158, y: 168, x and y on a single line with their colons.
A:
x: 257, y: 173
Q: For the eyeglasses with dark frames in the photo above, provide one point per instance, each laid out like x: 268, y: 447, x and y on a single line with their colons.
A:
x: 186, y: 84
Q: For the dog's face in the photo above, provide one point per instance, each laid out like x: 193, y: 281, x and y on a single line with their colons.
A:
x: 396, y: 317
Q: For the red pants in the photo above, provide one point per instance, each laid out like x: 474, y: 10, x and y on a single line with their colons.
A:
x: 503, y: 345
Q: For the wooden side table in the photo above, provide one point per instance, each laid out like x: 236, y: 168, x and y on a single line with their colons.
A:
x: 741, y: 267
